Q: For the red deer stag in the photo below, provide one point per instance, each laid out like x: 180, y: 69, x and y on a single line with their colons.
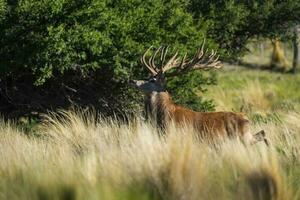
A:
x: 160, y: 107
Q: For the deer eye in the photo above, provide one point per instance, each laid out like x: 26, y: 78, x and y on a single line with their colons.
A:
x: 152, y: 80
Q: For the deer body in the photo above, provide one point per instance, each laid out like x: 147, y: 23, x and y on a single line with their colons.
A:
x: 162, y: 110
x: 212, y: 125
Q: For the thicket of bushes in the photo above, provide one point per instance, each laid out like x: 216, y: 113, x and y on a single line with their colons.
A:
x: 55, y: 53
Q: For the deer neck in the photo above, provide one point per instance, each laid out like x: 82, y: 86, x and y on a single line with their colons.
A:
x: 158, y: 106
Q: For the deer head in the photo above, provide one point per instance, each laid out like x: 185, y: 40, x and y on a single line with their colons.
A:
x: 175, y: 65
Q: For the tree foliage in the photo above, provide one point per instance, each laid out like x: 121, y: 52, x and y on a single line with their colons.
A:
x: 52, y: 42
x: 193, y: 84
x: 85, y: 51
x: 232, y: 23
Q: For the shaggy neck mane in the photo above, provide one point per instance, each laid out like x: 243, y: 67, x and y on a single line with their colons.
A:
x: 158, y: 106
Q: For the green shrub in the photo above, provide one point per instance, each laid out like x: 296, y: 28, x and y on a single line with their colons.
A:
x: 62, y: 46
x: 184, y: 90
x: 232, y: 23
x: 2, y: 9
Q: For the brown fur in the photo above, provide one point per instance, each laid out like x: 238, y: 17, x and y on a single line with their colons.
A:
x: 210, y: 125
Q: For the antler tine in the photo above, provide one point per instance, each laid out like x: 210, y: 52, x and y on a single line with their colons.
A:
x: 217, y: 63
x: 211, y: 62
x: 200, y: 61
x: 150, y: 61
x: 152, y: 58
x: 200, y: 51
x: 163, y: 55
x: 143, y: 61
x: 171, y: 63
x: 213, y: 54
x: 198, y: 56
x: 182, y: 61
x: 210, y: 58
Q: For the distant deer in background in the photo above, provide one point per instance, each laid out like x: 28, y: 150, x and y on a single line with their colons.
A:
x: 162, y: 110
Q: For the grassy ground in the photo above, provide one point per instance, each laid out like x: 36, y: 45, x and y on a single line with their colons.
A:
x: 75, y: 157
x: 255, y: 91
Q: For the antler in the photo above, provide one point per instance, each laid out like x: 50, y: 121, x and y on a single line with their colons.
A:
x: 199, y: 61
x: 150, y: 64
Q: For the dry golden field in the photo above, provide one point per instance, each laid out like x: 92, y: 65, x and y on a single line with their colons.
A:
x: 74, y: 156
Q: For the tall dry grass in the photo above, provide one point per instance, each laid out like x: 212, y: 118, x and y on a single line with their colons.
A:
x: 75, y: 156
x: 252, y: 97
